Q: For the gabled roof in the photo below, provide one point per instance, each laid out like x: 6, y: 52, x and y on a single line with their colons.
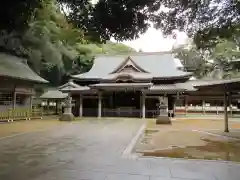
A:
x: 69, y: 84
x: 80, y: 88
x: 53, y: 94
x: 17, y: 68
x: 158, y: 65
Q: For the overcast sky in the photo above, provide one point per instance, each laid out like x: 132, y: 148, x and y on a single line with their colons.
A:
x: 153, y: 40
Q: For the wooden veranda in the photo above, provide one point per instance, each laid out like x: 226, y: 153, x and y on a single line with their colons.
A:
x: 228, y: 89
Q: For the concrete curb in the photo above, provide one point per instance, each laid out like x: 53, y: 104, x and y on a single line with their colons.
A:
x: 217, y: 135
x: 127, y: 153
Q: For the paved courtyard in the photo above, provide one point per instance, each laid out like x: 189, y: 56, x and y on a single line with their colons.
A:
x: 93, y: 150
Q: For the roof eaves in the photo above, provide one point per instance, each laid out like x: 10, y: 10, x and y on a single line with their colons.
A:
x: 53, y: 94
x: 69, y: 84
x: 173, y: 77
x: 81, y: 88
x: 40, y: 80
x: 218, y: 82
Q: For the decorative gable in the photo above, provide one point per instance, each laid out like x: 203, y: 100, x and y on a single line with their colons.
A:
x: 124, y: 78
x: 69, y: 84
x: 128, y: 66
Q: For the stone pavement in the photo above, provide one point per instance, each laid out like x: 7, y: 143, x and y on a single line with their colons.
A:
x: 92, y: 150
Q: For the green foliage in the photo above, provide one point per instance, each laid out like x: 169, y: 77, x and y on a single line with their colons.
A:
x: 15, y: 15
x: 221, y: 60
x: 206, y: 21
x: 54, y: 47
x: 194, y: 60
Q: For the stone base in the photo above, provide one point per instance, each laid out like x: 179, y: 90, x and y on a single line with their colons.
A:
x: 67, y: 117
x: 163, y: 120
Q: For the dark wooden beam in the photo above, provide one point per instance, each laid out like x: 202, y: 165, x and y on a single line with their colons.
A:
x: 226, y: 129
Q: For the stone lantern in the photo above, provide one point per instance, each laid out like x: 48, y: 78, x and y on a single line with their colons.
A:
x: 67, y: 115
x: 163, y: 117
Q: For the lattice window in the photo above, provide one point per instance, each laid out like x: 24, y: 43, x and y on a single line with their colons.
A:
x: 20, y: 99
x: 6, y: 98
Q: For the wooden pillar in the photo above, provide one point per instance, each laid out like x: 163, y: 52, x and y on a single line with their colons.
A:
x: 174, y: 106
x: 203, y: 106
x: 48, y: 111
x: 56, y: 107
x: 186, y: 104
x: 80, y: 105
x: 143, y: 106
x: 225, y: 113
x: 14, y: 100
x: 99, y: 105
x: 171, y: 104
x: 230, y: 104
x: 31, y: 101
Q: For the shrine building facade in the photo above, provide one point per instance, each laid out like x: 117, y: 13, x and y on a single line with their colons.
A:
x: 132, y: 85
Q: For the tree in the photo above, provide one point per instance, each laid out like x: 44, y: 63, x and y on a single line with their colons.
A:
x: 54, y: 47
x: 205, y: 20
x: 108, y: 18
x: 226, y: 55
x: 49, y: 43
x: 194, y: 60
x: 221, y: 61
x: 15, y: 15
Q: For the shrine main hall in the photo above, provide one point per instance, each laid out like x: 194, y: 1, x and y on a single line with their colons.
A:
x: 133, y: 85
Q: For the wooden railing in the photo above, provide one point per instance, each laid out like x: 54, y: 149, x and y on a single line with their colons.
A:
x: 108, y: 112
x: 121, y: 112
x: 20, y: 114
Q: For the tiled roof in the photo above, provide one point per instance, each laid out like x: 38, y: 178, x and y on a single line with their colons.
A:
x: 166, y: 87
x: 15, y: 67
x: 69, y: 84
x: 134, y: 75
x: 159, y: 65
x: 80, y: 88
x: 53, y: 94
x: 148, y: 86
x: 218, y: 82
x: 121, y: 85
x: 193, y: 85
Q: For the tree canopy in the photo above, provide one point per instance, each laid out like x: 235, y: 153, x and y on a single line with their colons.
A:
x: 60, y: 37
x: 205, y: 20
x: 221, y: 61
x: 55, y: 47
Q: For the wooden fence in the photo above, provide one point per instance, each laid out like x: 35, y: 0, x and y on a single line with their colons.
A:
x: 10, y: 115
